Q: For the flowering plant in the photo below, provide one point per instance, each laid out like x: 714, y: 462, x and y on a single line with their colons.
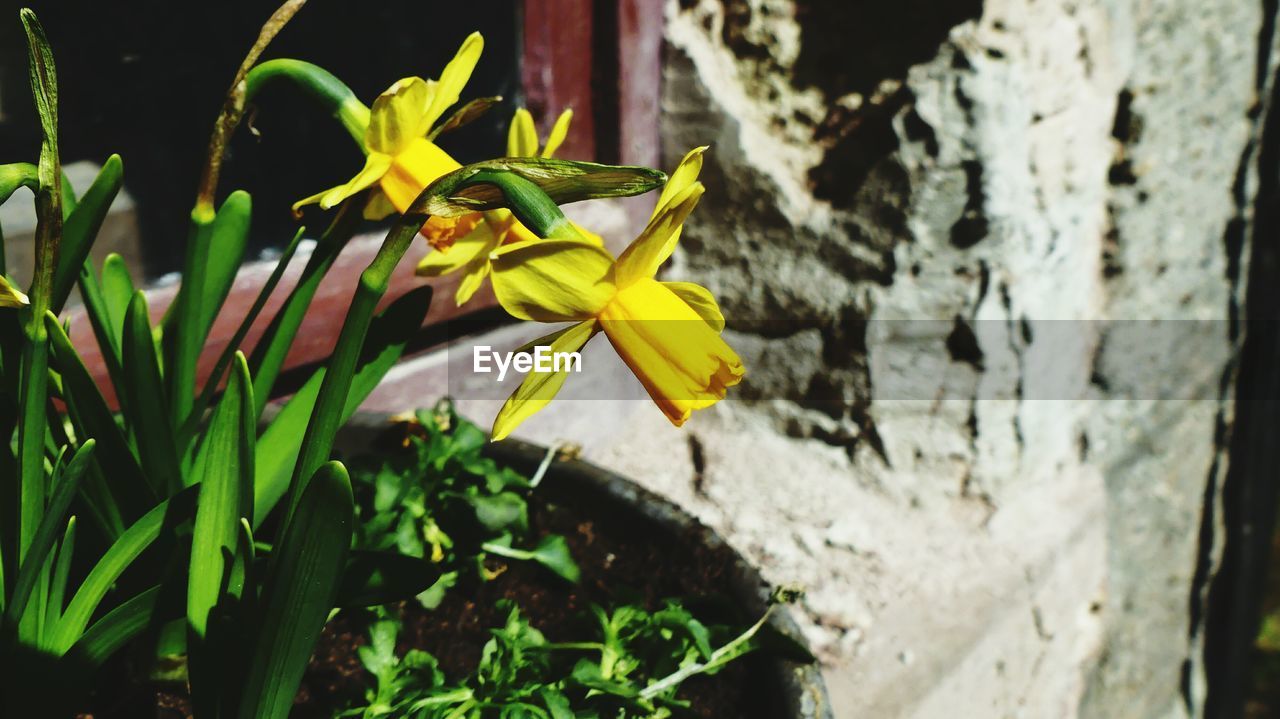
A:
x: 222, y: 539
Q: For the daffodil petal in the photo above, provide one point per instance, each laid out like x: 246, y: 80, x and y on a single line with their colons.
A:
x: 379, y: 206
x: 658, y: 240
x: 479, y: 242
x: 375, y: 166
x: 399, y: 115
x: 685, y: 174
x: 700, y: 300
x: 472, y: 279
x: 539, y: 388
x: 310, y: 200
x: 558, y: 133
x: 11, y: 296
x: 592, y: 237
x: 454, y: 77
x: 684, y: 364
x: 522, y: 136
x: 553, y: 280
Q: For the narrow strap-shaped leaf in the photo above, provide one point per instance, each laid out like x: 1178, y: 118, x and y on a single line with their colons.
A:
x: 300, y: 587
x: 267, y: 358
x: 278, y: 448
x: 224, y: 360
x: 95, y: 305
x: 128, y: 494
x: 36, y: 564
x: 81, y: 228
x: 117, y: 293
x: 113, y: 631
x: 230, y: 237
x: 114, y: 562
x: 149, y: 418
x: 33, y: 393
x: 226, y: 495
x: 182, y: 323
x: 61, y: 573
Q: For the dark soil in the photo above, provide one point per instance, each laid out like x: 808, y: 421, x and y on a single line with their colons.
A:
x: 622, y: 560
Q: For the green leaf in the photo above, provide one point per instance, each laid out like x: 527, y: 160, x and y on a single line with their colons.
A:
x: 117, y: 558
x: 128, y: 493
x: 226, y: 495
x: 281, y: 443
x: 375, y: 577
x: 269, y: 354
x: 15, y: 175
x: 117, y: 294
x: 183, y: 323
x: 33, y: 412
x: 230, y: 237
x: 553, y: 553
x: 588, y: 674
x: 61, y: 573
x: 563, y: 181
x: 113, y: 631
x: 224, y: 360
x: 81, y: 228
x: 501, y: 512
x: 34, y: 564
x: 95, y: 305
x: 146, y: 401
x: 300, y: 587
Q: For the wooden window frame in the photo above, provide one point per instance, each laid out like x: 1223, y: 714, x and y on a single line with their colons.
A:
x: 603, y: 59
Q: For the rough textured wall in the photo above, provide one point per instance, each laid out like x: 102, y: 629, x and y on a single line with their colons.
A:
x: 999, y: 511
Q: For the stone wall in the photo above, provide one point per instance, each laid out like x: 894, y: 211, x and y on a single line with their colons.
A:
x: 1009, y: 509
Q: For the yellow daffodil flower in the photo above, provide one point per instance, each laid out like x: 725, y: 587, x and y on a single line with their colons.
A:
x: 471, y: 253
x: 11, y: 296
x: 668, y: 333
x: 400, y: 160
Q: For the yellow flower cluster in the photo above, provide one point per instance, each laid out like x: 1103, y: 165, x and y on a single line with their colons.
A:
x: 668, y: 333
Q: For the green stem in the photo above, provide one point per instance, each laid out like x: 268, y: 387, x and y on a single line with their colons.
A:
x: 320, y: 85
x: 717, y: 658
x: 327, y: 415
x: 35, y: 363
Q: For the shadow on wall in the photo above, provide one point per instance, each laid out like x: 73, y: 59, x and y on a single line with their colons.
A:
x: 859, y: 71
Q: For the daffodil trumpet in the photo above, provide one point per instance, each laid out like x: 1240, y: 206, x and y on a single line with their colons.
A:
x: 668, y: 333
x: 401, y: 158
x: 470, y: 254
